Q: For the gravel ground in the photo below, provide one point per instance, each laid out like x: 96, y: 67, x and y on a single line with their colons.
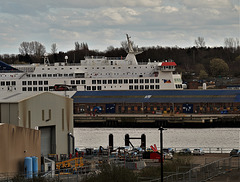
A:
x: 232, y: 176
x: 208, y: 158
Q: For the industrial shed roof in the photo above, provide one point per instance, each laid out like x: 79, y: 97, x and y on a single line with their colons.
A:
x: 160, y: 96
x: 15, y: 97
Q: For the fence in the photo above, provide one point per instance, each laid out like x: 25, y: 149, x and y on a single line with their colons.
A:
x: 219, y: 150
x: 62, y: 175
x: 196, y: 174
x: 201, y: 173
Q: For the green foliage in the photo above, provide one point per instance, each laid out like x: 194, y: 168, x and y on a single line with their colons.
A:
x: 218, y: 67
x: 112, y: 173
x: 151, y: 171
x: 203, y: 74
x: 198, y: 67
x: 237, y: 59
x: 168, y: 166
x: 21, y: 178
x: 235, y: 67
x: 18, y: 178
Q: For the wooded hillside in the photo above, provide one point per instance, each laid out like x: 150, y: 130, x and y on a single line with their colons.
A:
x: 193, y: 62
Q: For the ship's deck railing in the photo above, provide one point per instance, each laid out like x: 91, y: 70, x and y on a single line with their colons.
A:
x: 30, y: 68
x: 116, y: 58
x: 10, y: 71
x: 94, y: 57
x: 105, y: 58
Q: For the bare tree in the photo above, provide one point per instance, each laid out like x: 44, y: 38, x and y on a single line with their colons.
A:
x: 124, y: 45
x: 231, y: 43
x: 110, y: 48
x: 200, y: 42
x: 24, y: 48
x: 54, y: 48
x: 39, y: 49
x: 84, y: 46
x: 32, y: 48
x: 77, y: 46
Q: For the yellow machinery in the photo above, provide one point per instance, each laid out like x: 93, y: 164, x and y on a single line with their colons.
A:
x: 71, y: 163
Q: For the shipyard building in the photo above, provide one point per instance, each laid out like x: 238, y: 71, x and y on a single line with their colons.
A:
x: 48, y: 112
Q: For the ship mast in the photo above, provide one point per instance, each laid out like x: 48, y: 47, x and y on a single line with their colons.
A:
x: 130, y: 47
x: 131, y: 58
x: 46, y: 60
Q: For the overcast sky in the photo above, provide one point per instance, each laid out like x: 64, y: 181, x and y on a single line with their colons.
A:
x: 104, y: 23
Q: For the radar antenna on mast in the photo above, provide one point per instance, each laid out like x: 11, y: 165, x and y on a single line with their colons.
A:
x: 46, y: 60
x: 130, y: 46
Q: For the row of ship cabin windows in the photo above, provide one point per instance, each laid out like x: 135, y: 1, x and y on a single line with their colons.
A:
x: 93, y: 88
x: 50, y: 75
x: 34, y: 82
x: 128, y: 73
x: 71, y: 74
x: 168, y: 67
x: 178, y: 85
x: 118, y: 81
x: 8, y: 83
x: 120, y: 68
x: 130, y: 87
x: 99, y: 67
x: 133, y: 87
x: 35, y: 89
x: 13, y: 83
x: 78, y: 82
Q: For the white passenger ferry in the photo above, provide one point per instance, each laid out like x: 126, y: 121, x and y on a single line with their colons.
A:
x: 91, y: 74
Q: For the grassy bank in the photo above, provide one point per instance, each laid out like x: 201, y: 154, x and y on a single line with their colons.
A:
x: 112, y: 173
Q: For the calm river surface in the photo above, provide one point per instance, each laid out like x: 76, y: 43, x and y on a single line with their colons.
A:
x: 172, y: 137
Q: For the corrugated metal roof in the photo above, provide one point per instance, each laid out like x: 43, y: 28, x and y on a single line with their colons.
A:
x: 15, y: 97
x: 169, y: 64
x: 160, y: 96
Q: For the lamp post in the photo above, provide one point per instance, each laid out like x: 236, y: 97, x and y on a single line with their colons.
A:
x: 161, y: 148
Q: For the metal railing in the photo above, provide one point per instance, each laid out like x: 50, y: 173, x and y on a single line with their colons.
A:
x: 200, y: 173
x: 62, y: 175
x: 197, y: 174
x: 209, y: 150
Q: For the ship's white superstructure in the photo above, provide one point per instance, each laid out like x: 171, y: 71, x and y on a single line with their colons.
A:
x: 91, y: 74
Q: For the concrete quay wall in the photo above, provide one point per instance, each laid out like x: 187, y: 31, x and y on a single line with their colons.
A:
x: 156, y: 120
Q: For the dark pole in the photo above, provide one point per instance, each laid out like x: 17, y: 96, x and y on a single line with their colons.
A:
x: 161, y: 148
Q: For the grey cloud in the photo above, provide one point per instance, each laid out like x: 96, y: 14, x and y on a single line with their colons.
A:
x: 102, y: 23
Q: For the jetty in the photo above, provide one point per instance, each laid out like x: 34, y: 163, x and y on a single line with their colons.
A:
x: 156, y: 120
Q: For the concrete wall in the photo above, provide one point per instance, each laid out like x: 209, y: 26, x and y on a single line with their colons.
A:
x: 48, y: 109
x: 16, y: 144
x: 9, y: 113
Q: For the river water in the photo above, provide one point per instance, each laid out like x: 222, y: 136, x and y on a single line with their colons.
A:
x: 172, y: 137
